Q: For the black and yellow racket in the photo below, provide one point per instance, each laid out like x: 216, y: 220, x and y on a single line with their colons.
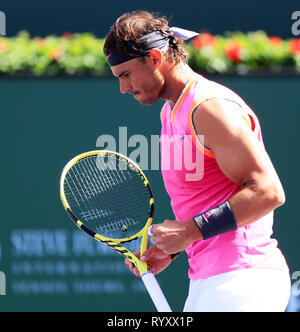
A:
x: 109, y: 197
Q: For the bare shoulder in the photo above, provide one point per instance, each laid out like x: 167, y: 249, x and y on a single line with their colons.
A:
x: 217, y: 117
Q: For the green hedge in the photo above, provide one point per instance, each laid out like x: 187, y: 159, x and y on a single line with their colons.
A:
x: 81, y: 54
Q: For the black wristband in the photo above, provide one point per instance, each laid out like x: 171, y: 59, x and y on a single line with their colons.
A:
x: 216, y: 221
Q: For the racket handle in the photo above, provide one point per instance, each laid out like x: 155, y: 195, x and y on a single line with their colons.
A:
x: 155, y: 292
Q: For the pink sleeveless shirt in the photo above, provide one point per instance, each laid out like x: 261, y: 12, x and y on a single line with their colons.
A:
x: 195, y: 184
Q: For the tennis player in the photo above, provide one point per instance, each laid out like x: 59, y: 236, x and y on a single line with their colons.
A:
x: 224, y: 218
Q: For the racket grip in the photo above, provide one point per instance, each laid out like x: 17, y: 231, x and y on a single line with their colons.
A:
x: 155, y: 292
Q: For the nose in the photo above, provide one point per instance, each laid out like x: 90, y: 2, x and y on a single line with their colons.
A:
x: 125, y: 87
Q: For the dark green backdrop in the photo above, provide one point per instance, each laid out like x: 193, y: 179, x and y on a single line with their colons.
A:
x: 46, y: 17
x: 50, y: 265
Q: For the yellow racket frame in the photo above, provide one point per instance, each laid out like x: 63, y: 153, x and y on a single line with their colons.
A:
x: 113, y: 243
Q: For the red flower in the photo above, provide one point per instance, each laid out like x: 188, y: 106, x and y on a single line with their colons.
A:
x: 204, y: 40
x: 233, y: 51
x: 295, y: 46
x: 275, y: 41
x: 67, y: 35
x: 55, y: 54
x: 40, y: 43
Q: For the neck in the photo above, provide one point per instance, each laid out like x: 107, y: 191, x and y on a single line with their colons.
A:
x: 176, y: 79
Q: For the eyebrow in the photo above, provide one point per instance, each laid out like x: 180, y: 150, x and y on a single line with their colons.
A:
x: 122, y: 74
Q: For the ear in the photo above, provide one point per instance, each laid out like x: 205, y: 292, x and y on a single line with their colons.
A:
x: 156, y: 57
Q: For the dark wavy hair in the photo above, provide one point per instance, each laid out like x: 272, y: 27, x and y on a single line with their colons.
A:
x: 133, y: 25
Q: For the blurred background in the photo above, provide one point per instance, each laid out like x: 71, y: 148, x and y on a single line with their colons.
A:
x: 57, y: 98
x: 42, y: 18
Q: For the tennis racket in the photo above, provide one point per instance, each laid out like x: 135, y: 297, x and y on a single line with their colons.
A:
x: 109, y: 198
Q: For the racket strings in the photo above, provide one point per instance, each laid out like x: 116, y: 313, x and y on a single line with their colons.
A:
x: 108, y: 196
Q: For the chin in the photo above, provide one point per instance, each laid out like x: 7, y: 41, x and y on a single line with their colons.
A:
x: 149, y: 101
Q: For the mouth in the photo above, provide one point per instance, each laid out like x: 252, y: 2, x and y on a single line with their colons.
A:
x: 136, y: 94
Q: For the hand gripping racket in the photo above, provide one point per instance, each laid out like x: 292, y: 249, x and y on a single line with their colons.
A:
x: 109, y: 197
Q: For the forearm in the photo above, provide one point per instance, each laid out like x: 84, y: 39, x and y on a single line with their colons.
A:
x: 254, y: 201
x: 249, y: 204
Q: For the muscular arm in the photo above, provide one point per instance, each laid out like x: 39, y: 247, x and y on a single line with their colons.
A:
x: 242, y: 158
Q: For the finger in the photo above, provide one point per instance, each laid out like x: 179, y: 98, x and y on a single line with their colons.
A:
x: 161, y: 245
x: 165, y: 249
x: 148, y: 254
x: 128, y: 264
x: 136, y: 271
x: 156, y: 239
x: 137, y: 253
x: 132, y: 267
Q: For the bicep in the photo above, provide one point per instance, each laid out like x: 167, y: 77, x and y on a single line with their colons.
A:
x: 238, y: 152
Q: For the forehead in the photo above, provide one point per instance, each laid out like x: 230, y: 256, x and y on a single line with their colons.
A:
x: 130, y: 65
